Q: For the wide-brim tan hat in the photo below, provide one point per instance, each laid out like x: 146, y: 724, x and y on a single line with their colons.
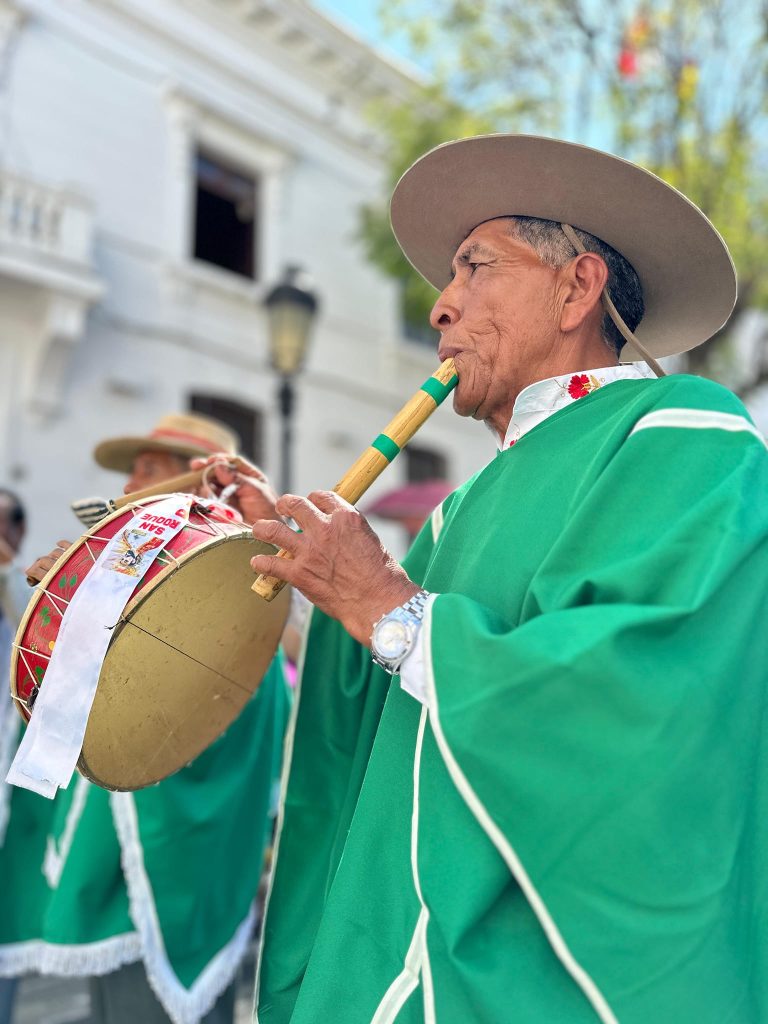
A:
x: 185, y: 436
x: 687, y: 275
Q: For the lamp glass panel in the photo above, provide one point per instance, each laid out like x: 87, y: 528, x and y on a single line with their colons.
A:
x: 289, y: 325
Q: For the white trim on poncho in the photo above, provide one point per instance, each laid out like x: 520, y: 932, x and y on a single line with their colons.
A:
x: 183, y: 1005
x: 500, y: 841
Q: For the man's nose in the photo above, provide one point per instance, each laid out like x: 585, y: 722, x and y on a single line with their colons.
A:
x: 444, y: 314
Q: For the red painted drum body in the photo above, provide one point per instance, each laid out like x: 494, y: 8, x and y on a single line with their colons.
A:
x: 187, y: 653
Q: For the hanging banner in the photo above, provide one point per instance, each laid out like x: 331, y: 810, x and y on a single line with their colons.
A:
x: 48, y: 753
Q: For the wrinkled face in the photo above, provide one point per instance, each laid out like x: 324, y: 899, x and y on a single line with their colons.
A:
x: 152, y: 468
x: 498, y: 318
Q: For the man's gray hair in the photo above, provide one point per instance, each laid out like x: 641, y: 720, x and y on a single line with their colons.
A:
x: 548, y: 241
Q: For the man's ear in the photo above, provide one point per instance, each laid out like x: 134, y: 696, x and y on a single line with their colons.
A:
x: 584, y: 279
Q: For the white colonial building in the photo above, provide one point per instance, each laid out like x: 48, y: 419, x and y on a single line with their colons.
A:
x: 161, y: 163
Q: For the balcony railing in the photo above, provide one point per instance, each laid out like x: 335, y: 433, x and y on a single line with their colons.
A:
x: 41, y: 220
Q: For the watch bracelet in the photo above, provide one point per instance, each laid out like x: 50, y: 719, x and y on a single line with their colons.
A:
x: 414, y: 607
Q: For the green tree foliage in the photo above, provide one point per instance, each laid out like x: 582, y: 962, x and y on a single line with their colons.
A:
x: 411, y: 130
x: 678, y: 85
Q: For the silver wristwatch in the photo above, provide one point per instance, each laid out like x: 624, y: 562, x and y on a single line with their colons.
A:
x: 395, y: 633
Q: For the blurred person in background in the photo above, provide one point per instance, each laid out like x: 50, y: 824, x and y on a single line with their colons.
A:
x: 151, y: 894
x: 14, y: 594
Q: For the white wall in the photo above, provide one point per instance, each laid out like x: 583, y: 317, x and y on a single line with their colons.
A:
x: 107, y: 98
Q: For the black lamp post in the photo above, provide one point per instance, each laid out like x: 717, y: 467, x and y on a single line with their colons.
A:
x: 291, y: 307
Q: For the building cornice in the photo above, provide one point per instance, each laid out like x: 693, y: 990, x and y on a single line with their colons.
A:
x: 328, y: 44
x: 290, y: 34
x: 287, y: 51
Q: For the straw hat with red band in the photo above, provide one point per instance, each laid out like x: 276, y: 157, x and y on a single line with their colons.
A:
x: 688, y: 278
x: 185, y: 436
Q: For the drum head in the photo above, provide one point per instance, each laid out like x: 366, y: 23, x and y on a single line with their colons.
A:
x: 185, y: 659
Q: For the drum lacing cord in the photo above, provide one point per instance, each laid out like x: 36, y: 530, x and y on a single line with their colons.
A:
x: 23, y: 651
x: 54, y: 598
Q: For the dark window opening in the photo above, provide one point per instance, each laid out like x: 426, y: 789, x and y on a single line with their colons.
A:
x: 247, y: 422
x: 225, y: 216
x: 424, y: 464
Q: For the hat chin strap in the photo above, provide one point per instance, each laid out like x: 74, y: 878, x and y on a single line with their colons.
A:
x: 611, y: 310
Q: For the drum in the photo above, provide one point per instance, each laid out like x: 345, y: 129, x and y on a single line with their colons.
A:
x: 187, y: 653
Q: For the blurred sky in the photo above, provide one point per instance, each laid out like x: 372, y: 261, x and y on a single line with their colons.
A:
x: 360, y: 16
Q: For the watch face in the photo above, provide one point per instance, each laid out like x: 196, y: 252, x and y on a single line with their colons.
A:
x: 391, y: 639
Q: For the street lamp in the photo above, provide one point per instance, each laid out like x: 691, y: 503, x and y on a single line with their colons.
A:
x: 291, y: 307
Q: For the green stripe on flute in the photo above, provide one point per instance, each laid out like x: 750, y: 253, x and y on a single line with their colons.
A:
x: 439, y: 391
x: 386, y: 446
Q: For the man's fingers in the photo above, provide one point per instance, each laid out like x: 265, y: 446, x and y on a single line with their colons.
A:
x: 248, y: 468
x: 201, y: 461
x: 231, y: 462
x: 220, y: 473
x: 328, y: 501
x: 272, y: 531
x: 246, y: 485
x: 270, y: 565
x: 302, y: 510
x: 42, y: 565
x: 38, y: 570
x: 258, y: 482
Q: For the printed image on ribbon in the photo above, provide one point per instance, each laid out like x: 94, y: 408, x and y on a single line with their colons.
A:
x: 131, y: 556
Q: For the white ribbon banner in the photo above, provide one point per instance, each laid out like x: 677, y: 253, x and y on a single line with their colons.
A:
x: 48, y: 753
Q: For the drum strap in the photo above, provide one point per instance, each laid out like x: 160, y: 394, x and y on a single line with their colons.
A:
x: 47, y: 755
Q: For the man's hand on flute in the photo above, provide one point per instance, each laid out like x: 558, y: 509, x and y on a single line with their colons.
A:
x: 337, y: 561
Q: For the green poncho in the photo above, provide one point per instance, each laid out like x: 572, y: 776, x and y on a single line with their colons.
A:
x: 168, y: 875
x: 571, y: 828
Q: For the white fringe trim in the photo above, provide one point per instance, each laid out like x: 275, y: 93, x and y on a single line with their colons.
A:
x: 86, y: 959
x: 10, y: 734
x: 183, y: 1006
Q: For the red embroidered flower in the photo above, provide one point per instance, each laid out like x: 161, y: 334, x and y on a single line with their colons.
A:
x: 579, y: 386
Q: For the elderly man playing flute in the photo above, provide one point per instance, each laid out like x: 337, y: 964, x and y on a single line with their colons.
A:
x: 527, y: 774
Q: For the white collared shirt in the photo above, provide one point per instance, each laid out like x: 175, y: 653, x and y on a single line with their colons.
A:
x: 538, y: 401
x: 533, y: 405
